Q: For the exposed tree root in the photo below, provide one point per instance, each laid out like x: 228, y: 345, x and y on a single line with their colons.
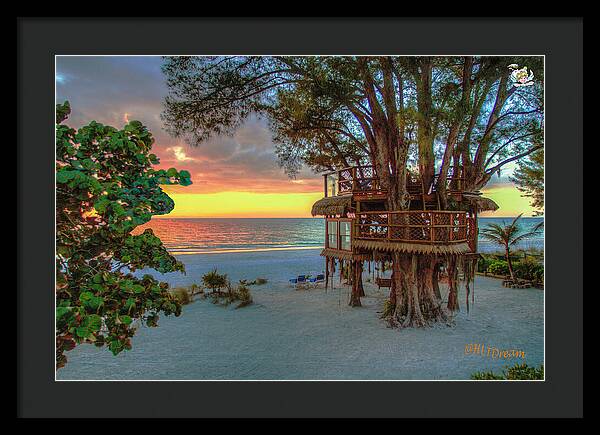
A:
x: 417, y: 304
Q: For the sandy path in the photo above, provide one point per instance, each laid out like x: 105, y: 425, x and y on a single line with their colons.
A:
x: 313, y: 334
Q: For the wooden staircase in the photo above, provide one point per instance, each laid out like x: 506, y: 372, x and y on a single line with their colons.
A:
x: 420, y: 198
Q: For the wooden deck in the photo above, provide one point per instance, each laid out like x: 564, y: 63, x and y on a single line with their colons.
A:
x: 354, y: 180
x: 437, y: 228
x: 363, y: 183
x: 416, y: 226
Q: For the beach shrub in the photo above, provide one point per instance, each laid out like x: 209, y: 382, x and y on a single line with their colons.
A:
x: 486, y: 376
x: 214, y: 280
x: 182, y: 294
x: 106, y: 187
x: 230, y: 295
x: 530, y: 269
x: 240, y: 293
x: 483, y: 263
x: 523, y: 371
x: 516, y: 372
x: 498, y: 267
x: 526, y: 266
x: 243, y: 295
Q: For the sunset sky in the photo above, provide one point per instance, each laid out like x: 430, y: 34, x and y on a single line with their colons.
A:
x: 232, y: 176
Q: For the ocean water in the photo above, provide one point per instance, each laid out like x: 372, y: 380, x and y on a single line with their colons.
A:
x: 219, y: 235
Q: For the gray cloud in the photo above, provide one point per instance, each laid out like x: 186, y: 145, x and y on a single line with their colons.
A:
x: 112, y: 90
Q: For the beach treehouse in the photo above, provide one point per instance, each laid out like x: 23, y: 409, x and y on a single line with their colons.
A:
x: 359, y: 227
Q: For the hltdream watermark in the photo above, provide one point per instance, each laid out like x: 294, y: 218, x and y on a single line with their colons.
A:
x: 492, y: 351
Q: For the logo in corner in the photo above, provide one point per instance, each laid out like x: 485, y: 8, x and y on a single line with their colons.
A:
x: 520, y: 76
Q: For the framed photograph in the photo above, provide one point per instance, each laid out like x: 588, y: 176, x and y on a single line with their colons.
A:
x: 309, y: 222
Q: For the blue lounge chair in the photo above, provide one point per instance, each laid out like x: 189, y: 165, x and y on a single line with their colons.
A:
x: 320, y: 278
x: 300, y: 281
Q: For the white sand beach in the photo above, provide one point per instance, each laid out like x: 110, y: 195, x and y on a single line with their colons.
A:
x: 290, y: 334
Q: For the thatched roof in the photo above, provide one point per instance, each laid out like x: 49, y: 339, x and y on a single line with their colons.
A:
x: 482, y: 203
x: 344, y: 255
x: 421, y: 248
x: 331, y: 205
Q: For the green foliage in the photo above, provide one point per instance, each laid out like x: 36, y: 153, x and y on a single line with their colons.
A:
x: 214, y: 280
x: 506, y: 236
x: 527, y: 267
x: 516, y: 372
x: 105, y: 188
x: 328, y: 112
x: 486, y: 376
x: 523, y: 371
x: 529, y: 178
x: 483, y: 263
x: 530, y: 269
x: 498, y: 267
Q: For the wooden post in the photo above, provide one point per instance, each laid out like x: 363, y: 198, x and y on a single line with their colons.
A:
x: 326, y: 273
x: 476, y: 237
x: 374, y: 265
x: 361, y: 289
x: 431, y: 227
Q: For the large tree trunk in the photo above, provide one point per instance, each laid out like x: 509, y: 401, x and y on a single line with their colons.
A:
x: 416, y: 301
x: 436, y: 279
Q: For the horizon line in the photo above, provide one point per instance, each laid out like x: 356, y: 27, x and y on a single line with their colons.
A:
x: 299, y: 217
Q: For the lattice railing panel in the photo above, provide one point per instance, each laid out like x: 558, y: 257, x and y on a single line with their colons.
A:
x: 415, y: 226
x: 365, y: 179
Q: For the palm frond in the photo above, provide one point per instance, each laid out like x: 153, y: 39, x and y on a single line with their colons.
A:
x: 494, y: 233
x: 536, y: 231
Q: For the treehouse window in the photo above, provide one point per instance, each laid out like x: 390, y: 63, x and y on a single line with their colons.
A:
x: 332, y: 234
x: 345, y: 235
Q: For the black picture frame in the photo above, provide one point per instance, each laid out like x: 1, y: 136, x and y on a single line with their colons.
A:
x: 560, y: 40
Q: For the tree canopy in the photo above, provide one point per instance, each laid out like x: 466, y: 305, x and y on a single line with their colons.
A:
x: 429, y: 113
x: 105, y: 188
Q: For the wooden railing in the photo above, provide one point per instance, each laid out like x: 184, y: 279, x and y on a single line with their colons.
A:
x: 429, y: 227
x: 352, y: 179
x: 364, y: 179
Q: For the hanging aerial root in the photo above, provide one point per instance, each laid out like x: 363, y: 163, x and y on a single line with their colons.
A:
x: 452, y: 266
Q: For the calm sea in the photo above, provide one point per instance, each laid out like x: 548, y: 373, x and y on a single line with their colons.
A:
x: 204, y: 236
